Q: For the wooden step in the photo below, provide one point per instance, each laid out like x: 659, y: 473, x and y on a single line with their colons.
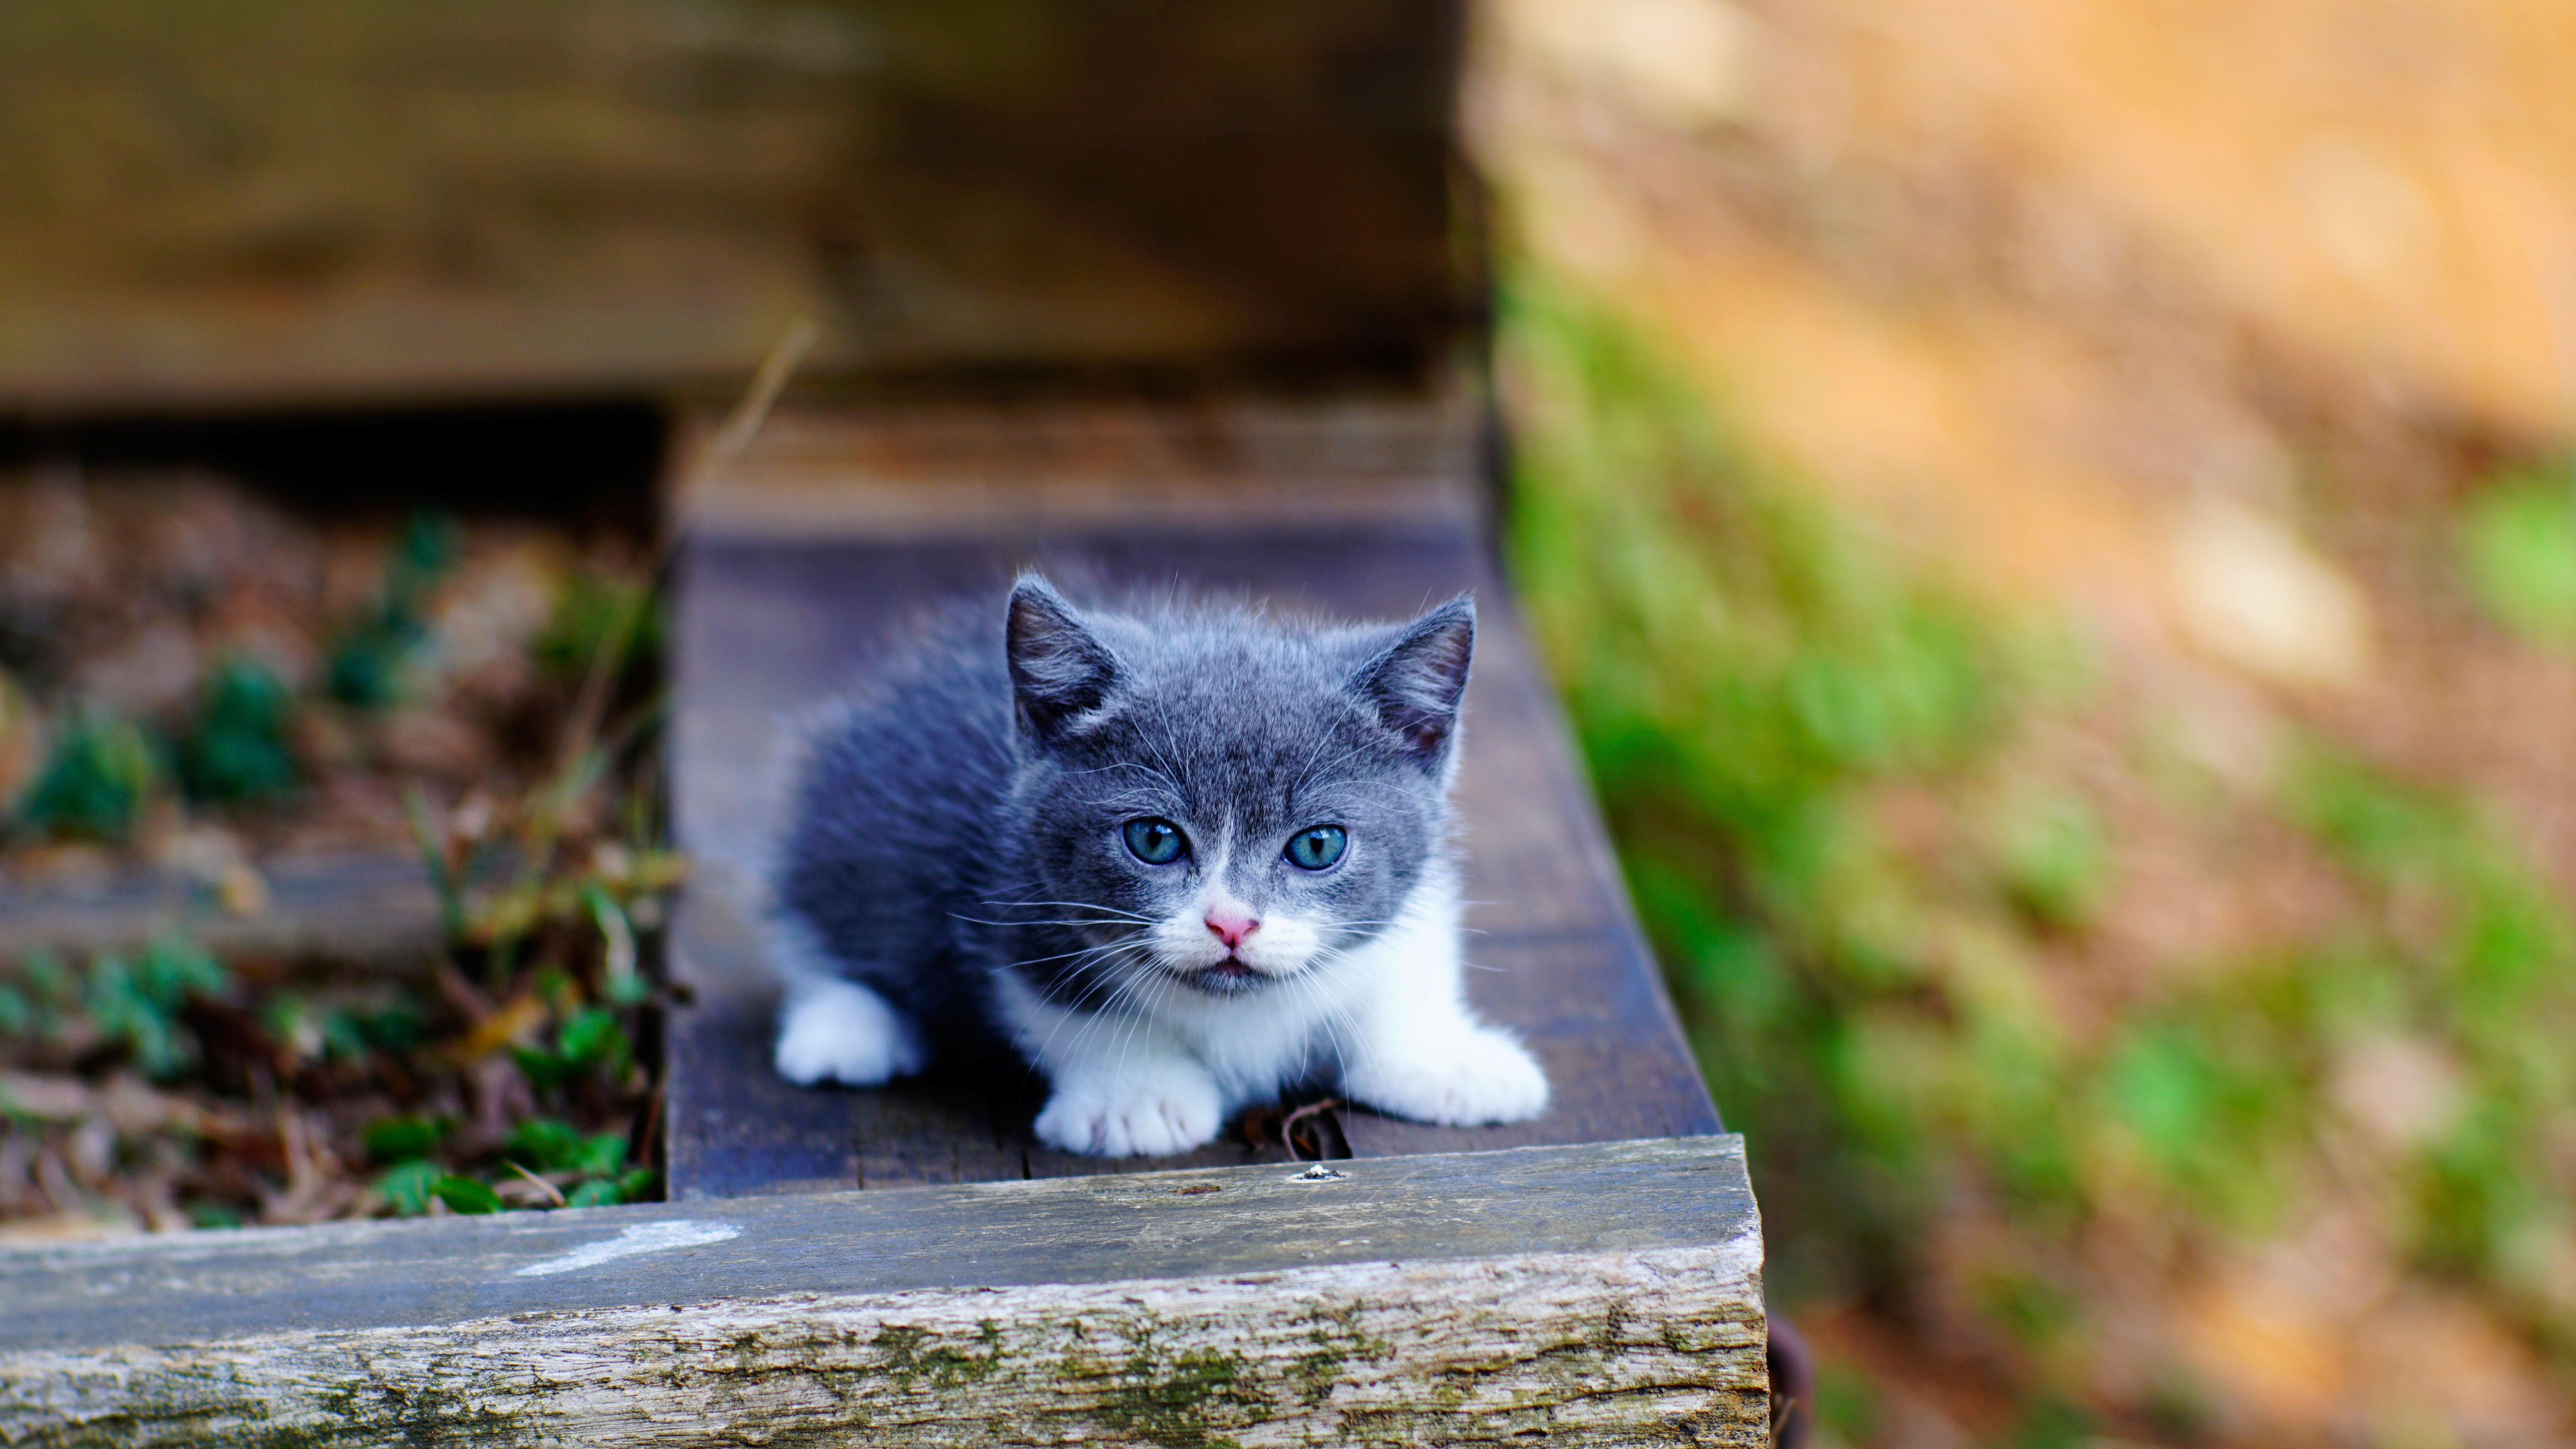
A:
x: 1605, y: 1294
x: 833, y: 529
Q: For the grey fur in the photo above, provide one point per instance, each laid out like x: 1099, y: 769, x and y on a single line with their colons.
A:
x: 964, y: 819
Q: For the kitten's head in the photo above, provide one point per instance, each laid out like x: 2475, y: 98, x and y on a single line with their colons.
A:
x: 1224, y: 800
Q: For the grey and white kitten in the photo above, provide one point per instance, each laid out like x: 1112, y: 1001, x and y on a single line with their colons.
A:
x: 1178, y: 859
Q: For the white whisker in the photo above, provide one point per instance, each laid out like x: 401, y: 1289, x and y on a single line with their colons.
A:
x: 1075, y: 905
x: 1105, y: 921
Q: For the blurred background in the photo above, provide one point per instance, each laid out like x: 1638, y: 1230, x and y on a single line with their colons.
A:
x: 2054, y: 520
x: 2055, y: 524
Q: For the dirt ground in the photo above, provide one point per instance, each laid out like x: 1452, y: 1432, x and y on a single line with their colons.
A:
x: 202, y: 684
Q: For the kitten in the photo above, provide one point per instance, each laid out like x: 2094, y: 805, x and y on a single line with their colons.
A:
x: 1178, y: 860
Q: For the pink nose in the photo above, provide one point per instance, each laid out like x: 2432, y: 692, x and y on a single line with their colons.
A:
x: 1232, y: 927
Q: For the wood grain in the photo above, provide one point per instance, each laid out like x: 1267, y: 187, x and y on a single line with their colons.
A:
x: 325, y: 200
x: 1607, y: 1293
x: 772, y: 621
x: 1628, y: 1349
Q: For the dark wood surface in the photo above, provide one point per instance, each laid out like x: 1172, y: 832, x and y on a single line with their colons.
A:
x: 304, y: 201
x: 769, y: 625
x: 1636, y: 1197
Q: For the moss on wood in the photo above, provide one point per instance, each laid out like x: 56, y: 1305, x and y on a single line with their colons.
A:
x: 1649, y: 1348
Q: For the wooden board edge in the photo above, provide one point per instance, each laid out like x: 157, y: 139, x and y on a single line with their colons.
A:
x: 1652, y: 1347
x: 1195, y: 1221
x: 959, y: 469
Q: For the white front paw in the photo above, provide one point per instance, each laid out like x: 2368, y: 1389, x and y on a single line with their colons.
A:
x: 1143, y: 1111
x: 840, y: 1031
x: 1456, y: 1079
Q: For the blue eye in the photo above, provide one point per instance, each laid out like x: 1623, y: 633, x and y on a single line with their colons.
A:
x: 1316, y: 848
x: 1154, y: 841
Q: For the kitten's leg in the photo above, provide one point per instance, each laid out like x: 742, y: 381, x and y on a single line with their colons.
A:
x: 831, y: 1029
x: 840, y: 1031
x: 1414, y: 1050
x: 1120, y: 1087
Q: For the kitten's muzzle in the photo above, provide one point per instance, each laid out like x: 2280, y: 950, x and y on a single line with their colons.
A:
x: 1229, y: 977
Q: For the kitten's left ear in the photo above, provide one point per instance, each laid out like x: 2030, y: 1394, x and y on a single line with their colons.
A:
x: 1416, y: 682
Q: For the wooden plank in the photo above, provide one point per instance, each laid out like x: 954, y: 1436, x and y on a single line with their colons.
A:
x: 375, y: 909
x: 1586, y: 1198
x: 324, y: 200
x: 1608, y: 1293
x: 772, y: 619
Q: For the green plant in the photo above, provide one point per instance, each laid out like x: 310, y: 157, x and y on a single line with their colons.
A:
x: 97, y: 780
x: 236, y: 749
x: 2052, y: 858
x: 368, y: 662
x: 409, y: 1185
x: 41, y: 1001
x: 137, y: 1005
x: 464, y: 1194
x: 592, y: 1166
x: 550, y: 1145
x: 2517, y: 549
x: 2478, y: 966
x: 1760, y: 688
x: 1847, y: 1404
x: 597, y: 1160
x: 2050, y: 1423
x: 400, y: 1139
x: 589, y: 1041
x: 599, y: 616
x: 1745, y: 672
x: 545, y: 902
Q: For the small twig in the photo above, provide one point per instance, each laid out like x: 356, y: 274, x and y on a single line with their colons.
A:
x: 553, y: 1193
x: 743, y: 423
x: 303, y: 1176
x: 622, y: 734
x: 618, y: 967
x: 721, y: 452
x: 621, y: 980
x: 649, y: 1128
x: 426, y: 834
x: 462, y: 994
x: 54, y: 1181
x: 1288, y: 1127
x: 1782, y: 1411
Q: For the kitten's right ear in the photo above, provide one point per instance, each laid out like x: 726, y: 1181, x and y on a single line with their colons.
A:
x: 1059, y: 669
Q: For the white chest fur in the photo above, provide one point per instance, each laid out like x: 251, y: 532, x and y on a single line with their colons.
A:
x: 1161, y: 1067
x: 1163, y: 1070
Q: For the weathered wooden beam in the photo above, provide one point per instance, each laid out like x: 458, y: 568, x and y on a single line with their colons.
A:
x: 373, y: 909
x: 304, y: 201
x: 1607, y: 1293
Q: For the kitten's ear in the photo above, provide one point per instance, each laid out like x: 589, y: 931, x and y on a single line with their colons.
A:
x: 1059, y: 668
x: 1416, y: 681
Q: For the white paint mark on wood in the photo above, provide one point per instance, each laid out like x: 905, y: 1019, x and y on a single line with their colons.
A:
x: 637, y: 1238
